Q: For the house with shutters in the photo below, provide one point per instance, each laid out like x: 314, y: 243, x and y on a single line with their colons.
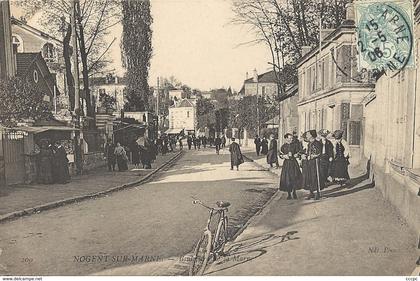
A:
x: 331, y: 90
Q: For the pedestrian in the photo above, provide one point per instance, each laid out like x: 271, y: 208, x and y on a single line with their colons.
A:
x: 146, y: 154
x: 61, y: 164
x: 272, y: 155
x: 312, y: 172
x: 291, y: 176
x: 257, y: 142
x: 45, y: 163
x: 110, y: 156
x: 171, y: 144
x: 339, y: 166
x: 204, y: 141
x: 164, y: 145
x: 223, y: 141
x: 135, y: 154
x: 181, y: 145
x: 218, y: 143
x: 264, y: 146
x: 198, y: 140
x: 236, y: 157
x: 194, y: 139
x: 189, y: 142
x: 121, y: 157
x: 326, y: 157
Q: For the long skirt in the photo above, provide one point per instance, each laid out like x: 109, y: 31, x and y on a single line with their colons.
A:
x: 45, y: 174
x: 291, y: 177
x: 122, y: 163
x: 310, y: 174
x: 135, y: 157
x: 324, y: 169
x: 339, y: 169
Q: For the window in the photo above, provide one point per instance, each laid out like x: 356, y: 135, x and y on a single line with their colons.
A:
x: 49, y: 52
x: 355, y: 129
x: 188, y: 114
x: 35, y: 76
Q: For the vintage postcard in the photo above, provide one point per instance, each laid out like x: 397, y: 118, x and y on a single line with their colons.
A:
x: 209, y: 138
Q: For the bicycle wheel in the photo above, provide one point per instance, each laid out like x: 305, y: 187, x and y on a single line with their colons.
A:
x: 221, y: 236
x: 201, y: 255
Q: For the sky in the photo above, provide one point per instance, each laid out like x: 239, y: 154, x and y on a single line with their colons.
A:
x: 194, y: 41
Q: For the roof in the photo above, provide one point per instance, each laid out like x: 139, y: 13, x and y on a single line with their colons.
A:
x: 33, y: 30
x: 267, y: 77
x: 173, y: 131
x: 347, y: 25
x: 24, y: 61
x: 291, y: 90
x: 185, y: 103
x: 37, y: 130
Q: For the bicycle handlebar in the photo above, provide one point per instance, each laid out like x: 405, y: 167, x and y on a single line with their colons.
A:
x: 198, y: 201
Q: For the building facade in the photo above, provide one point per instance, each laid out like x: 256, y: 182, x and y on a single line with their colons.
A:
x: 176, y: 94
x: 113, y: 86
x: 262, y: 85
x: 183, y: 116
x: 331, y: 89
x: 27, y: 39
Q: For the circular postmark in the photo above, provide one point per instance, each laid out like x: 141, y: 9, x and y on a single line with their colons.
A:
x: 385, y: 40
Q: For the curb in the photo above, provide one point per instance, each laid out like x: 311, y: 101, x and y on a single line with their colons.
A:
x: 56, y: 204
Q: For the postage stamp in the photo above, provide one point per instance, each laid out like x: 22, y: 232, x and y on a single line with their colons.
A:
x: 385, y: 35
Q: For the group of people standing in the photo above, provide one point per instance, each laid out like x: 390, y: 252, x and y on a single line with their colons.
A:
x: 118, y: 155
x: 197, y: 142
x: 268, y: 148
x: 53, y: 165
x: 313, y: 163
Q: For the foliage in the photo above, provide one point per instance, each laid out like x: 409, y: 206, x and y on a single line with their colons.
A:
x: 244, y: 113
x: 21, y: 101
x: 107, y: 101
x: 136, y: 51
x: 94, y: 18
x: 205, y: 114
x: 286, y: 26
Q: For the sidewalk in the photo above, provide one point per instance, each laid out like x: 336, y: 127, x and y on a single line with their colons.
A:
x: 350, y: 231
x: 19, y: 200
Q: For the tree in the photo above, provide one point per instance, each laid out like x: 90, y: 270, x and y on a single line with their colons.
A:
x: 286, y: 26
x: 94, y: 18
x: 205, y: 114
x: 136, y: 51
x: 21, y: 101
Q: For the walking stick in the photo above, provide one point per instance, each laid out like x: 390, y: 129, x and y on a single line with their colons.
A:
x: 317, y: 176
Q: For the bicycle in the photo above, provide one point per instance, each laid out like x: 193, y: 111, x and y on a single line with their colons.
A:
x: 209, y: 245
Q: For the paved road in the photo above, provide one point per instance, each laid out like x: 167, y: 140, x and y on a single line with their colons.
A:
x: 154, y: 221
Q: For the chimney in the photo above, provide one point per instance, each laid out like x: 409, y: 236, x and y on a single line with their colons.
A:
x: 350, y: 12
x: 255, y: 78
x: 305, y: 50
x: 246, y: 75
x: 116, y: 79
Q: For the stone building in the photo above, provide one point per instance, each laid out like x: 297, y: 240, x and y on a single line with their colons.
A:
x: 331, y: 90
x: 262, y: 85
x: 182, y: 116
x: 28, y: 39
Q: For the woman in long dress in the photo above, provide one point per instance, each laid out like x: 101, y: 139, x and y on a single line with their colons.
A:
x: 121, y: 157
x: 291, y: 177
x: 272, y: 156
x: 340, y: 163
x: 264, y: 146
x: 45, y: 163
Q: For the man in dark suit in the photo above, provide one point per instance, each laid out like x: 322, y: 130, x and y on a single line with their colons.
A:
x: 257, y: 142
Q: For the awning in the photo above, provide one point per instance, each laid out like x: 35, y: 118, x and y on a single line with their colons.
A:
x: 37, y: 130
x: 131, y: 126
x: 173, y: 131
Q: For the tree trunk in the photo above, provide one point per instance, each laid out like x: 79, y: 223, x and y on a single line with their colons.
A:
x: 67, y: 63
x: 85, y: 71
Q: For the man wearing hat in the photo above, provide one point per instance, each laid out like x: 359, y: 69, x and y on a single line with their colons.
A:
x: 272, y: 155
x: 339, y: 166
x: 236, y: 157
x: 312, y: 173
x: 326, y: 156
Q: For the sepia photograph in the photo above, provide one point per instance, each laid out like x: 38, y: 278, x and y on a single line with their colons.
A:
x: 142, y: 139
